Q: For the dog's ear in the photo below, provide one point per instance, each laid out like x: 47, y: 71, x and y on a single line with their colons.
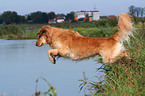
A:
x: 49, y: 37
x: 47, y: 30
x: 44, y: 29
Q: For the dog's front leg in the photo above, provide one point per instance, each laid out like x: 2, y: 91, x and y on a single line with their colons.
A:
x: 51, y: 53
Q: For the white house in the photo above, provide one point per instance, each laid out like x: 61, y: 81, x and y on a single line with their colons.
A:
x: 95, y: 15
x: 59, y: 19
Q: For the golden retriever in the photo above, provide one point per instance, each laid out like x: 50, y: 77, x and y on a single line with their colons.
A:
x: 69, y: 43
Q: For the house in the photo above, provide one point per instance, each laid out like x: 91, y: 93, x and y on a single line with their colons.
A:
x: 59, y: 19
x: 111, y: 16
x: 103, y: 17
x: 51, y: 21
x: 95, y: 15
x: 56, y: 20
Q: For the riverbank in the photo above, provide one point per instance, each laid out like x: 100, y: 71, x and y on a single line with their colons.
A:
x: 13, y: 32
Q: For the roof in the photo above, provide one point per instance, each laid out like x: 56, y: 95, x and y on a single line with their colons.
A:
x: 87, y: 11
x: 112, y: 16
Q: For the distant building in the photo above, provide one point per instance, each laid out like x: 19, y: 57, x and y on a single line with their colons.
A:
x: 111, y: 16
x: 59, y: 19
x: 95, y: 15
x: 52, y: 21
x: 103, y: 17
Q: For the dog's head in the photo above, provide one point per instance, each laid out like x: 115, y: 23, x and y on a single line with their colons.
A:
x: 44, y: 36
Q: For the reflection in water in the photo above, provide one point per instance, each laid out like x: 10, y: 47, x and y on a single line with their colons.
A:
x: 21, y: 63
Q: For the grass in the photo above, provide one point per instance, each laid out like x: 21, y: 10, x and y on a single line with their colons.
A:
x: 19, y: 31
x: 96, y: 32
x: 30, y: 31
x: 125, y: 77
x: 51, y: 91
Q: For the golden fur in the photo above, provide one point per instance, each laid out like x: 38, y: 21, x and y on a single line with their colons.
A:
x: 69, y: 43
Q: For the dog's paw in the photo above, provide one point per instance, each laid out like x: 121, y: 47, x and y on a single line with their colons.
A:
x: 52, y: 59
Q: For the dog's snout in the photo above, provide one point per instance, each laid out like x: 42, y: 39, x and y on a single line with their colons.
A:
x: 37, y: 44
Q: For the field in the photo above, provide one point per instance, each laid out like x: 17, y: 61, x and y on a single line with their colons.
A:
x: 123, y: 78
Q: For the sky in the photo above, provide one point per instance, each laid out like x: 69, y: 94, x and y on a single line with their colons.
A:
x: 105, y: 7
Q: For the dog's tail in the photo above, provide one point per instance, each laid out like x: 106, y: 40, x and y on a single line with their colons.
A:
x: 125, y: 28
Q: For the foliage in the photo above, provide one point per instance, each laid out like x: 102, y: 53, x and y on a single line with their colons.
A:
x: 69, y: 16
x: 51, y: 15
x: 9, y: 17
x: 96, y: 32
x: 14, y: 31
x: 51, y: 91
x: 126, y: 76
x: 39, y: 17
x: 138, y: 20
x: 136, y: 11
x: 1, y: 20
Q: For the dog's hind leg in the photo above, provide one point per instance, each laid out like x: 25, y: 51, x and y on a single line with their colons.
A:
x: 106, y: 59
x: 51, y: 53
x: 106, y: 56
x: 122, y: 54
x: 111, y: 59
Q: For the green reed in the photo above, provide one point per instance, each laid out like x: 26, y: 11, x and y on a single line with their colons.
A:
x: 126, y: 76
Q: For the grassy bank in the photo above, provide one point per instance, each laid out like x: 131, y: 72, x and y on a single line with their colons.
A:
x: 19, y: 31
x: 125, y: 77
x: 30, y: 31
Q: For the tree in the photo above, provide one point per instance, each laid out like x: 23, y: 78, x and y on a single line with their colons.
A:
x: 1, y: 20
x: 132, y: 10
x: 9, y: 17
x: 21, y: 19
x: 51, y: 15
x: 136, y: 11
x: 29, y: 17
x: 44, y: 17
x: 142, y: 12
x: 70, y: 16
x: 39, y: 17
x: 60, y: 15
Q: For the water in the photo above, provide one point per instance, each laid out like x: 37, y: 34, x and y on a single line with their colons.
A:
x: 21, y: 63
